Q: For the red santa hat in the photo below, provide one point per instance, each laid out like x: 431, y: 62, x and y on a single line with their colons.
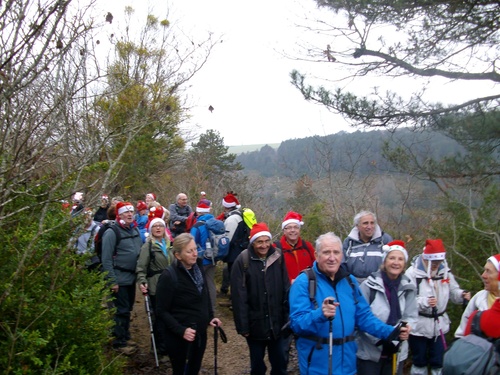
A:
x: 392, y: 246
x: 258, y: 230
x: 230, y: 200
x: 122, y: 207
x: 151, y: 195
x: 158, y: 212
x: 203, y: 193
x: 104, y: 197
x: 495, y: 259
x: 292, y: 217
x: 434, y: 250
x: 141, y: 205
x: 202, y: 207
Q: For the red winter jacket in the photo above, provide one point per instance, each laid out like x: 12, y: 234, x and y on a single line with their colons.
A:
x: 297, y: 258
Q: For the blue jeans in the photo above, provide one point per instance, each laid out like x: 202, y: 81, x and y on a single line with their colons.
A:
x: 275, y: 351
x: 427, y: 351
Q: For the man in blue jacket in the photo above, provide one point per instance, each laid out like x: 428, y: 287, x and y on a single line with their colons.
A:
x: 312, y: 319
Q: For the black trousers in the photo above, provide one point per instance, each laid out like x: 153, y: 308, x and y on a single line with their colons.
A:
x: 186, y: 357
x: 124, y: 302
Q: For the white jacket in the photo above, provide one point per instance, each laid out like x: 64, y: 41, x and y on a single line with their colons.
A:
x: 478, y: 302
x: 367, y: 349
x: 445, y: 288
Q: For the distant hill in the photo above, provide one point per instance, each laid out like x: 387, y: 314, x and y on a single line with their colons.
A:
x: 361, y: 151
x: 249, y: 148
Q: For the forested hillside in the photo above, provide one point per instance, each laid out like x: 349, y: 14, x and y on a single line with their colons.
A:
x: 360, y: 150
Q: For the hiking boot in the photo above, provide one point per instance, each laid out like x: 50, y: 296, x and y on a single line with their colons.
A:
x: 126, y: 350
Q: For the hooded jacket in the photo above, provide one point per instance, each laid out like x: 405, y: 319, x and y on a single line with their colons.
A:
x: 444, y: 287
x: 374, y: 287
x: 364, y: 258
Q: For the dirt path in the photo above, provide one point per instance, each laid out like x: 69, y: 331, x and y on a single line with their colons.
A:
x: 232, y: 358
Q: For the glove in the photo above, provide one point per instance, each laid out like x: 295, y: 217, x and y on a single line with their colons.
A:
x: 389, y: 348
x: 394, y: 336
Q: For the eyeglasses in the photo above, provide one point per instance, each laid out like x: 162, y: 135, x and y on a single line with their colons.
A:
x: 157, y: 226
x: 293, y: 227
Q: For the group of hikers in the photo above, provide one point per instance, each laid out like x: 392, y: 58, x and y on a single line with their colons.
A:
x: 349, y: 307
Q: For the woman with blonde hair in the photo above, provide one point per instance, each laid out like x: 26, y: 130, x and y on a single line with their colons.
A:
x: 154, y: 258
x: 183, y: 306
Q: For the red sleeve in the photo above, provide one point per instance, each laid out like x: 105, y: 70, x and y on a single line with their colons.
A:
x: 469, y: 323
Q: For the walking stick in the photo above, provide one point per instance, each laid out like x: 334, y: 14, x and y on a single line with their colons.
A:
x: 148, y: 310
x: 436, y: 319
x: 223, y: 338
x: 190, y: 349
x: 330, y: 340
x: 396, y: 355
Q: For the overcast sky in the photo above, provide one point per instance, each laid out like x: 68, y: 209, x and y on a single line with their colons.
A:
x: 246, y: 79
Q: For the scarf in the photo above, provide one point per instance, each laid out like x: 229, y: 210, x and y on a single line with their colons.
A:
x: 196, y: 276
x: 391, y: 291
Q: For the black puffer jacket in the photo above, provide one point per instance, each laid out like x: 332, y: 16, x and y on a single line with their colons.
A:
x: 259, y: 292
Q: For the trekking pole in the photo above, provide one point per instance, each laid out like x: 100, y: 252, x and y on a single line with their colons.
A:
x: 215, y: 349
x: 330, y: 340
x: 218, y: 330
x: 396, y: 355
x: 436, y: 320
x: 464, y: 301
x: 148, y: 310
x: 190, y: 349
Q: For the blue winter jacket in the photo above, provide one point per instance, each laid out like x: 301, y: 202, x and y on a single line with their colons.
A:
x: 309, y: 323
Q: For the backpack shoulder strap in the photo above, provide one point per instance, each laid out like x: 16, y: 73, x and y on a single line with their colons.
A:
x: 354, y: 290
x: 173, y: 274
x: 311, y: 286
x: 372, y: 295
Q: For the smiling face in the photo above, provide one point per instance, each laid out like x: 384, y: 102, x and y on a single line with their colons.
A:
x: 366, y: 227
x: 292, y: 233
x: 329, y: 257
x: 490, y: 278
x: 394, y: 264
x: 188, y: 255
x: 261, y: 246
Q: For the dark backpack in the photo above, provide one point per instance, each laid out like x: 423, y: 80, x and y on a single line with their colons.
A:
x: 311, y: 276
x: 473, y: 354
x: 96, y: 259
x: 219, y: 241
x: 241, y: 236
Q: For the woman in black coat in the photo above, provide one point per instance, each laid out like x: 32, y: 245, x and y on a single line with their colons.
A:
x: 183, y: 304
